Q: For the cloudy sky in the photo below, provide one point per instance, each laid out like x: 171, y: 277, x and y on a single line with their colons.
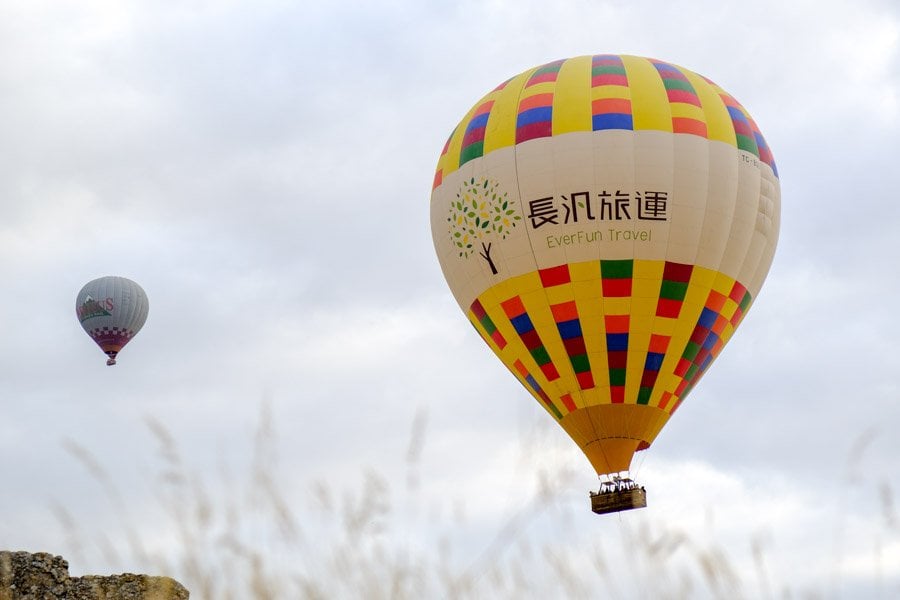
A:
x: 263, y: 169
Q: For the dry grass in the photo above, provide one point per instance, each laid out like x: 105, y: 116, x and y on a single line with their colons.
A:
x: 253, y: 542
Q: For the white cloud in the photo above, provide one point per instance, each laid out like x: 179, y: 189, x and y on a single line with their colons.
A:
x: 263, y: 170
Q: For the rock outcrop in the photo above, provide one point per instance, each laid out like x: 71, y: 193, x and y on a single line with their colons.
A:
x: 42, y: 576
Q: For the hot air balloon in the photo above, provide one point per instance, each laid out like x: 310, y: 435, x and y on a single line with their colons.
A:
x: 111, y: 310
x: 605, y: 222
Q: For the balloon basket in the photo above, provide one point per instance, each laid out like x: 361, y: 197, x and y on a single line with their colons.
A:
x: 618, y: 495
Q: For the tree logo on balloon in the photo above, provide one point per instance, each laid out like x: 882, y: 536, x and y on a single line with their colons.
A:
x: 480, y: 212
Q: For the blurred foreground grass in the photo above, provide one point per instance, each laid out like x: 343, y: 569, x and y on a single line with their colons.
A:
x: 380, y: 540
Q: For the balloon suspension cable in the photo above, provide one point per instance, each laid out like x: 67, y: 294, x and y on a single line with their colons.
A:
x: 618, y: 493
x: 639, y: 458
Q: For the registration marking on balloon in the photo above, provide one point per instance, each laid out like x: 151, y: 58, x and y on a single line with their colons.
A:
x: 605, y: 222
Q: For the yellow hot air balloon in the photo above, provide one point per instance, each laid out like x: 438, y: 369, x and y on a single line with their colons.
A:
x: 605, y: 222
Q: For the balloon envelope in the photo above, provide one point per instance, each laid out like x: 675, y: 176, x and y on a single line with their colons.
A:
x: 605, y: 222
x: 111, y: 310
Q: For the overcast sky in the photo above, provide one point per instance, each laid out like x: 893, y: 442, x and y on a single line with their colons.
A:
x: 263, y: 169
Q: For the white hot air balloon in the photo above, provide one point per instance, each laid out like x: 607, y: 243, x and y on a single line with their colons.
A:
x: 111, y: 310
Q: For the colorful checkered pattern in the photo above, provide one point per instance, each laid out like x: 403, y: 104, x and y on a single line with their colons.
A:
x: 569, y: 327
x: 472, y: 130
x: 743, y: 131
x: 536, y: 104
x: 616, y: 276
x: 111, y: 339
x: 583, y: 350
x: 568, y: 324
x: 674, y: 287
x: 597, y: 93
x: 610, y: 94
x: 687, y: 111
x: 487, y: 325
x: 439, y: 173
x: 536, y: 388
x: 706, y: 340
x: 521, y: 322
x: 617, y: 354
x: 473, y: 140
x: 656, y: 352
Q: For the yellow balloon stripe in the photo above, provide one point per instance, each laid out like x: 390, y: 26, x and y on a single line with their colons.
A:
x: 650, y: 105
x: 572, y: 99
x: 715, y: 113
x: 501, y: 127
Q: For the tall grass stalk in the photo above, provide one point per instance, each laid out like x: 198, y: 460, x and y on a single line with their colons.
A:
x: 253, y: 538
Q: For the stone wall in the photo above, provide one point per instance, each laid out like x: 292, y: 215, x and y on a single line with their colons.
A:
x: 42, y: 576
